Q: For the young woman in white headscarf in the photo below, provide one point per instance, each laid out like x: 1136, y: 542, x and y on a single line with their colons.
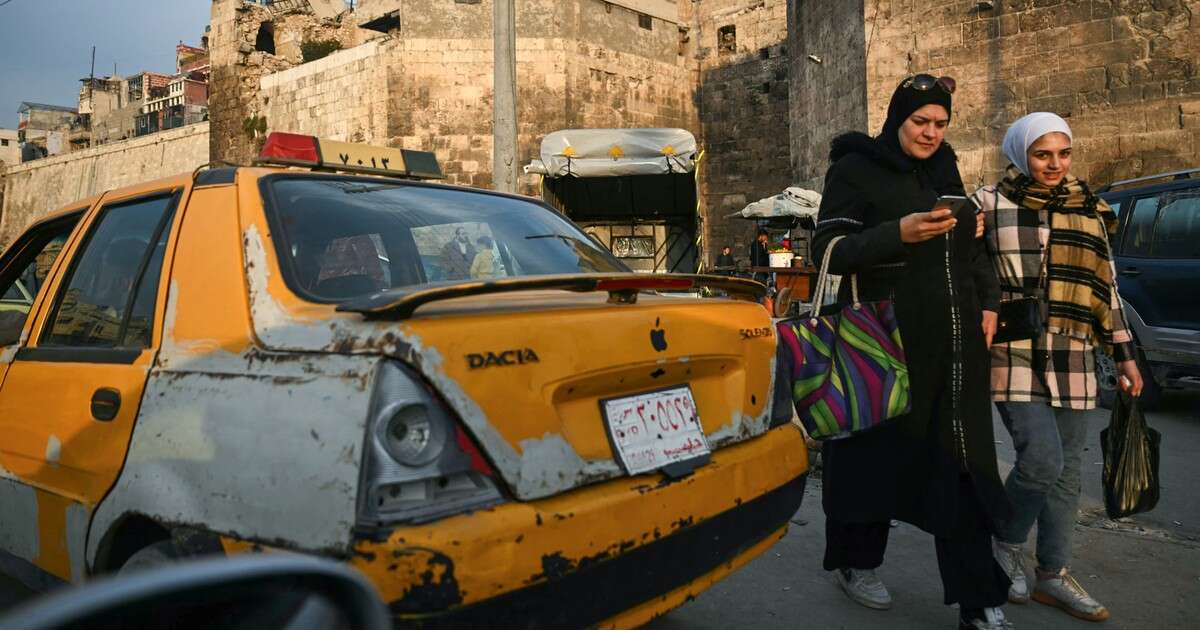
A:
x: 1047, y: 236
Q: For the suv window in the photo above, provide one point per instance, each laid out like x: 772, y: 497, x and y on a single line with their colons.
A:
x: 344, y: 237
x: 1177, y: 232
x: 1141, y: 227
x: 28, y: 273
x: 108, y: 301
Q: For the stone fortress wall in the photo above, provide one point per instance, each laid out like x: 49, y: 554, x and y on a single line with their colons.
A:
x: 35, y: 188
x: 763, y: 84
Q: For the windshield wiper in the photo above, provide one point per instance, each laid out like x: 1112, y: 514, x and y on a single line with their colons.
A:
x: 569, y: 239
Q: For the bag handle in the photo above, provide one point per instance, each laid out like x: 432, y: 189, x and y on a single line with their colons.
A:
x: 823, y: 281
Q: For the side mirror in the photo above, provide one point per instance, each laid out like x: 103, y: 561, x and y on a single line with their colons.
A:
x: 245, y: 592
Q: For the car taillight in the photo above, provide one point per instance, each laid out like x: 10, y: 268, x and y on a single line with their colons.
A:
x: 418, y: 464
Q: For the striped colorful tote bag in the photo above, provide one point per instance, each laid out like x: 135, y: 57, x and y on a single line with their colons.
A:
x: 848, y: 372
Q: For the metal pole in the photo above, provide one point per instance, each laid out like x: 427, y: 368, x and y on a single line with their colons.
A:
x: 504, y: 105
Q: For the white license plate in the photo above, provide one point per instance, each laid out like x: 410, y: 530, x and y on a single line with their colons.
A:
x: 655, y: 429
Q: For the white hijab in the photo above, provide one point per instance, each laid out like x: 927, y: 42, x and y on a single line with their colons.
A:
x: 1025, y: 131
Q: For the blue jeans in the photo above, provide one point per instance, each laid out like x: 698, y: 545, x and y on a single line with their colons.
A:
x: 1044, y: 485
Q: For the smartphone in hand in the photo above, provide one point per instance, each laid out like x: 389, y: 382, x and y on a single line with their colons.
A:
x: 956, y: 203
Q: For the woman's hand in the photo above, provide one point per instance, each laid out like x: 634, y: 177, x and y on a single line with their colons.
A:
x: 989, y: 325
x: 978, y: 225
x: 1131, y: 378
x: 922, y: 226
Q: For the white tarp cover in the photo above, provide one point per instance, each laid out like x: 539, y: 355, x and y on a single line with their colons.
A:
x: 612, y: 152
x: 792, y: 202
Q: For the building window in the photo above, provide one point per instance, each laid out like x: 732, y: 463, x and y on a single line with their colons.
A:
x: 3, y: 143
x: 645, y: 22
x: 727, y: 39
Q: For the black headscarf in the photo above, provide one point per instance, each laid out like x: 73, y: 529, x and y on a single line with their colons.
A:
x: 905, y: 101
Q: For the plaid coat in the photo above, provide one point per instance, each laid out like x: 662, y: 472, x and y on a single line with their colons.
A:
x: 1054, y: 369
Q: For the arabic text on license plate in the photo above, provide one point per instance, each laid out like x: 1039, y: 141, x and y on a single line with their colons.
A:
x: 655, y: 429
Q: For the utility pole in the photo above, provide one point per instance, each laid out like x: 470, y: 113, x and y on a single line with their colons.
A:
x: 504, y: 103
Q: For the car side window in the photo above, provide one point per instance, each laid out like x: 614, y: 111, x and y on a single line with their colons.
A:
x: 1141, y: 227
x: 1115, y: 238
x: 107, y: 299
x: 27, y: 274
x: 1177, y: 233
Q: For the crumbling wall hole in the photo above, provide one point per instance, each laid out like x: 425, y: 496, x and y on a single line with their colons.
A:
x: 265, y: 40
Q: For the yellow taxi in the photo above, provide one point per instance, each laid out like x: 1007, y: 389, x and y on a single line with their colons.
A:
x: 455, y: 391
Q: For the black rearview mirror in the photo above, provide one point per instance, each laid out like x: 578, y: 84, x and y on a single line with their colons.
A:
x: 250, y: 591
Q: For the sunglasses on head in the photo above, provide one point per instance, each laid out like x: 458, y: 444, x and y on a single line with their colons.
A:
x: 926, y: 82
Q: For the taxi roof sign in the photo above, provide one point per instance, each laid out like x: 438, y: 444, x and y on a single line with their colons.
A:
x: 290, y: 149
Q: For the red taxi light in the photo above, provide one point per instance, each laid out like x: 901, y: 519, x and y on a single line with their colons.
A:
x: 628, y: 284
x: 291, y: 146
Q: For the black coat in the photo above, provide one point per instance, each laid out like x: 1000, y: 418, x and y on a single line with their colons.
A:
x: 910, y: 469
x: 758, y: 255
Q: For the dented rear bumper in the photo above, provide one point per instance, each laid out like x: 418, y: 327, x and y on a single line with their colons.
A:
x: 618, y: 552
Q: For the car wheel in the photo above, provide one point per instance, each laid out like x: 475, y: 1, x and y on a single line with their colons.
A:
x: 152, y: 556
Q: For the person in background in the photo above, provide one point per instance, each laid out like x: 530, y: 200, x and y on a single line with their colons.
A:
x: 759, y: 256
x: 483, y: 267
x: 934, y: 467
x: 725, y: 262
x: 1047, y: 233
x: 457, y: 256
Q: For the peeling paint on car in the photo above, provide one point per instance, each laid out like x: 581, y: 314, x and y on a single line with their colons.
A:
x: 549, y: 465
x: 19, y: 524
x: 53, y: 450
x: 246, y: 434
x: 77, y: 520
x: 742, y: 427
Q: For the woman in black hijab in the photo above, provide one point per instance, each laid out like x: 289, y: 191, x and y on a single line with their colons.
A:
x: 936, y: 466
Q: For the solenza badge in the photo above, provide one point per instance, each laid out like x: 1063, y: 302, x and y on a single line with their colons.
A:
x: 500, y: 359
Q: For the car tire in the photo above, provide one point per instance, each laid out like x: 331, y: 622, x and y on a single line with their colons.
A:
x: 152, y: 556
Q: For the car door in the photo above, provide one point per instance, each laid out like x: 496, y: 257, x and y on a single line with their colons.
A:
x: 1169, y: 275
x: 1134, y: 253
x: 1160, y: 258
x: 25, y: 269
x: 71, y: 394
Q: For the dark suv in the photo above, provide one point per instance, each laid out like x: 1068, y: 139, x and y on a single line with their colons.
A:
x: 1157, y: 250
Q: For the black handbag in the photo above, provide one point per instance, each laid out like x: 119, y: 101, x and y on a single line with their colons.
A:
x: 1019, y: 318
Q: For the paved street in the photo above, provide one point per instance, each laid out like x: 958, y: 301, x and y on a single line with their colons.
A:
x: 1146, y: 570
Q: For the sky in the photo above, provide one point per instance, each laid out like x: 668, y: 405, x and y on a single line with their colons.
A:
x: 46, y: 45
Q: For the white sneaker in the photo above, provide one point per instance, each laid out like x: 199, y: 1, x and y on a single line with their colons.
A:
x: 1010, y: 559
x: 993, y: 619
x: 864, y: 587
x: 1062, y: 591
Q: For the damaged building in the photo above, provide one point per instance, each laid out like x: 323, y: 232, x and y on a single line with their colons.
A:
x: 44, y: 130
x: 418, y: 74
x: 763, y: 85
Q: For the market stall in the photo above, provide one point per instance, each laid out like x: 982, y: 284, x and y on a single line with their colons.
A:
x: 789, y: 219
x: 633, y: 190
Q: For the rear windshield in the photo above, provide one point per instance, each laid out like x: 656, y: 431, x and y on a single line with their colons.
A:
x: 347, y: 237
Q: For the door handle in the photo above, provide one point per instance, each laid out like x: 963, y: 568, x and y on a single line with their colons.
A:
x: 106, y: 402
x: 1132, y: 272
